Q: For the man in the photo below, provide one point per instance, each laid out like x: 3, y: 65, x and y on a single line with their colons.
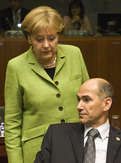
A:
x: 11, y: 17
x: 65, y: 143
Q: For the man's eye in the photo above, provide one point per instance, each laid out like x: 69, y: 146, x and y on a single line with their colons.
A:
x: 78, y: 98
x: 86, y: 99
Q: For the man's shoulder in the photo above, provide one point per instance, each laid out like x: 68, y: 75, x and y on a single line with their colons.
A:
x: 5, y: 10
x: 115, y: 130
x: 25, y: 10
x: 64, y: 126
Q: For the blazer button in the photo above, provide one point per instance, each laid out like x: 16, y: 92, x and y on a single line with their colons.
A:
x: 58, y: 95
x: 60, y: 108
x: 56, y: 82
x: 62, y: 121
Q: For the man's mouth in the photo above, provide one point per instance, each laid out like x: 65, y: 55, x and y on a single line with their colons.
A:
x: 82, y: 114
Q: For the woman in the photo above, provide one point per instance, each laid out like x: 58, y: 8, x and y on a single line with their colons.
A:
x: 41, y: 85
x: 77, y: 18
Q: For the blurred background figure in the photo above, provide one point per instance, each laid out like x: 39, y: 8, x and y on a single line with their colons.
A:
x: 11, y: 17
x: 77, y: 20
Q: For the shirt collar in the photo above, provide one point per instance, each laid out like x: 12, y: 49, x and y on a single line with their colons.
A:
x: 103, y: 130
x: 18, y: 11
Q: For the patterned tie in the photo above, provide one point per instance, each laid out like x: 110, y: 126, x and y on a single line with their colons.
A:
x: 89, y: 151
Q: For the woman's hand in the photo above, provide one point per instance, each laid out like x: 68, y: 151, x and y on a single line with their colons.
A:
x: 76, y: 19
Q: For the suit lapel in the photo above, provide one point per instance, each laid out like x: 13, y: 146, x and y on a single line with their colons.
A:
x: 77, y: 138
x: 113, y: 144
x: 9, y: 15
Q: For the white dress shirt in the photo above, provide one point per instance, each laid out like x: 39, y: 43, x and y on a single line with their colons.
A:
x: 101, y: 142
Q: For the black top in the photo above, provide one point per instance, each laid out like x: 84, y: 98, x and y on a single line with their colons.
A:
x: 50, y: 72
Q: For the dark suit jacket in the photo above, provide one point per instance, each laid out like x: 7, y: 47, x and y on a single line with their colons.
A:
x: 63, y: 143
x: 6, y: 18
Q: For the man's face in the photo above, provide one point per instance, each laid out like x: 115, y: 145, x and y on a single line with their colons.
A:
x: 90, y: 106
x: 15, y: 4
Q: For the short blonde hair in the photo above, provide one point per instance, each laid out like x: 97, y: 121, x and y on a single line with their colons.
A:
x: 40, y: 18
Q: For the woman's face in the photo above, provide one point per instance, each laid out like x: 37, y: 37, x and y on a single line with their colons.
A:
x: 44, y: 46
x: 75, y: 11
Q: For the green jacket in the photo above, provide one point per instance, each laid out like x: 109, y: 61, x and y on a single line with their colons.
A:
x: 33, y: 100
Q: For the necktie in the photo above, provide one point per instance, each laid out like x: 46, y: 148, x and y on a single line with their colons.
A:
x: 89, y: 151
x: 15, y: 20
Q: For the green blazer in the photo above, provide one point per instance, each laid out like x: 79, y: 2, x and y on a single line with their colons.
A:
x: 33, y: 100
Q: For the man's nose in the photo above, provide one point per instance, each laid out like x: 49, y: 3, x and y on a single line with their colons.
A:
x: 80, y: 105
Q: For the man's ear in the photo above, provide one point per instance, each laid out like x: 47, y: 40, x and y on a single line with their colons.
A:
x: 107, y: 103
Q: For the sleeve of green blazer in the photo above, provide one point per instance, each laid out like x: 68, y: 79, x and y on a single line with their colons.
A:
x: 31, y: 104
x: 13, y: 122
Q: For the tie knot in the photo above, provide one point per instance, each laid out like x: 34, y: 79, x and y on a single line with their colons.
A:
x: 93, y: 133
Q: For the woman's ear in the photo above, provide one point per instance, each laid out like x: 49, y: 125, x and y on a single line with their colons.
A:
x: 29, y: 40
x: 107, y: 103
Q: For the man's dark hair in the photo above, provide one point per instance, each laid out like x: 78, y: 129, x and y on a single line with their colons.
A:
x: 105, y: 89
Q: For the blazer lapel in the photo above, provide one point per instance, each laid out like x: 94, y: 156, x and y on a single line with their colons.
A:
x: 77, y: 138
x: 113, y: 144
x: 36, y: 67
x: 60, y: 60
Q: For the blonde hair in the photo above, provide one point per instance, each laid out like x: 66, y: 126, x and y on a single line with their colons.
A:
x: 40, y: 18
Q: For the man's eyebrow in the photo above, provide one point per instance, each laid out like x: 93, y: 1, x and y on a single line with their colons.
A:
x: 77, y: 97
x: 86, y: 96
